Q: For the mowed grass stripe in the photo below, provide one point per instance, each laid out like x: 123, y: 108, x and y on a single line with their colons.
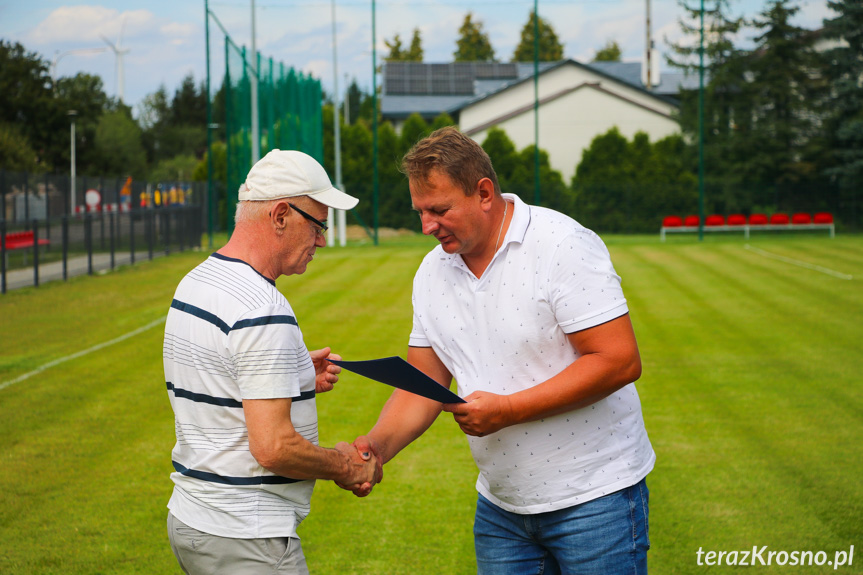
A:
x: 61, y: 318
x: 428, y: 486
x: 765, y: 339
x: 755, y: 417
x: 844, y: 255
x: 776, y: 302
x: 90, y: 464
x: 742, y: 421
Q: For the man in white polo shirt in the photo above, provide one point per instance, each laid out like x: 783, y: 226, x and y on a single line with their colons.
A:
x: 242, y: 383
x: 522, y: 307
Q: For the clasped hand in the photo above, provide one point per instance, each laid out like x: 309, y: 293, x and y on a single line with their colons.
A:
x: 365, y: 469
x: 368, y: 450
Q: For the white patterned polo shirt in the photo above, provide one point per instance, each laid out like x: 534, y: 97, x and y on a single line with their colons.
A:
x: 507, y: 331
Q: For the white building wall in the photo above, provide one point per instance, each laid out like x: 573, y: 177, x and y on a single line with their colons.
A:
x: 569, y: 122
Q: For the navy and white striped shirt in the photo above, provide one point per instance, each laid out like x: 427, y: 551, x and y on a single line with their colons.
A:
x: 231, y: 335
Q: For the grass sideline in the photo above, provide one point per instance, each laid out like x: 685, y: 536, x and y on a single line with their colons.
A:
x: 751, y: 392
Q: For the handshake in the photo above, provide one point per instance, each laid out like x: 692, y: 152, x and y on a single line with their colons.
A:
x: 364, y: 466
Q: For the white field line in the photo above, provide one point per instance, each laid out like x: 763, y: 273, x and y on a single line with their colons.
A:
x: 76, y: 355
x: 802, y: 264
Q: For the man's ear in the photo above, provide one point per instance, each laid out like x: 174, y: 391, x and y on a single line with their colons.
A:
x: 485, y: 189
x: 279, y: 214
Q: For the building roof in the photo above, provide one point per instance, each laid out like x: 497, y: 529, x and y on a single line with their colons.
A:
x: 429, y: 89
x: 432, y: 88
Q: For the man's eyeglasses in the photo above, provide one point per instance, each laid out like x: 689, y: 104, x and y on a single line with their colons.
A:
x: 322, y: 226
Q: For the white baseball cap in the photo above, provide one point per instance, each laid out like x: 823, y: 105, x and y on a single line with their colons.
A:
x: 289, y: 173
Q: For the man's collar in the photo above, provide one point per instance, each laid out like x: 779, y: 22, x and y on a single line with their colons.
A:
x: 520, y: 220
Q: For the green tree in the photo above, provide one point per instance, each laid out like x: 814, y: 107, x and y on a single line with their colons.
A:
x: 181, y: 168
x: 624, y: 186
x: 674, y: 183
x: 85, y: 94
x: 395, y: 199
x: 504, y: 157
x: 608, y: 53
x: 118, y: 142
x: 397, y: 53
x: 725, y: 86
x: 473, y: 44
x: 27, y: 101
x: 16, y: 155
x: 844, y: 69
x: 220, y: 177
x: 780, y: 94
x: 357, y: 167
x: 154, y: 115
x: 554, y: 193
x: 415, y: 52
x: 443, y: 119
x: 603, y: 183
x: 413, y: 130
x: 550, y: 48
x: 515, y: 172
x: 189, y: 104
x: 355, y: 97
x: 175, y: 126
x: 220, y: 165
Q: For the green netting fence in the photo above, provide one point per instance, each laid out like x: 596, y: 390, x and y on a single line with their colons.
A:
x: 289, y: 116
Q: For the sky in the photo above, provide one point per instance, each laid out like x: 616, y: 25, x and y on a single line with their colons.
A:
x: 166, y: 42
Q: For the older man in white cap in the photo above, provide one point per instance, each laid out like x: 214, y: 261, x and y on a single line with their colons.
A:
x: 242, y: 383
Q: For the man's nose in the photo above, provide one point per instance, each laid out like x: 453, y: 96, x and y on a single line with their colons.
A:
x: 429, y: 224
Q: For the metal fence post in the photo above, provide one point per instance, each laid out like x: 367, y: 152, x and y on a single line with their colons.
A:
x: 3, y: 252
x: 132, y: 236
x: 166, y: 237
x: 47, y: 212
x: 111, y: 236
x: 151, y: 223
x: 3, y: 195
x: 65, y: 247
x: 27, y: 199
x: 101, y: 208
x: 36, y: 252
x: 88, y: 240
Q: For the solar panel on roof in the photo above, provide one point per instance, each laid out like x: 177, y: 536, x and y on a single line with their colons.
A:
x: 456, y: 78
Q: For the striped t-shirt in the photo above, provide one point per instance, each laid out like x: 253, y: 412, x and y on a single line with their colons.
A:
x: 231, y: 335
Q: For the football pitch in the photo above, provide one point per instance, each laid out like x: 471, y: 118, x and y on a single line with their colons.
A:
x: 751, y: 393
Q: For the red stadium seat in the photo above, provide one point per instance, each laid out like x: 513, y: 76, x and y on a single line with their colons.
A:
x: 757, y: 220
x: 691, y: 221
x: 779, y: 219
x: 801, y: 218
x: 714, y: 220
x: 672, y: 222
x: 736, y: 220
x: 822, y: 218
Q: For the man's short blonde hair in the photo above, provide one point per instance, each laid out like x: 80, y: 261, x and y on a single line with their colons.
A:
x: 450, y: 152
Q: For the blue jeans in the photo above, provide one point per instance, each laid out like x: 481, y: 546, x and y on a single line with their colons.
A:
x: 606, y: 536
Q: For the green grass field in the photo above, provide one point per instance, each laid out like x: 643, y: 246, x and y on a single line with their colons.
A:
x: 751, y: 394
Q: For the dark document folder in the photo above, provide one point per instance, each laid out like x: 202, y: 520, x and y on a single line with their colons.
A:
x: 398, y: 373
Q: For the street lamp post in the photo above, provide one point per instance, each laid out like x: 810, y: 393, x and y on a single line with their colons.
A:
x: 72, y: 114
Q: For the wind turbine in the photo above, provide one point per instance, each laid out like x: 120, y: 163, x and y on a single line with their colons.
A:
x: 119, y: 52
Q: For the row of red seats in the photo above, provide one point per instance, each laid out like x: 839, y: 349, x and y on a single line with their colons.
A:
x: 778, y: 219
